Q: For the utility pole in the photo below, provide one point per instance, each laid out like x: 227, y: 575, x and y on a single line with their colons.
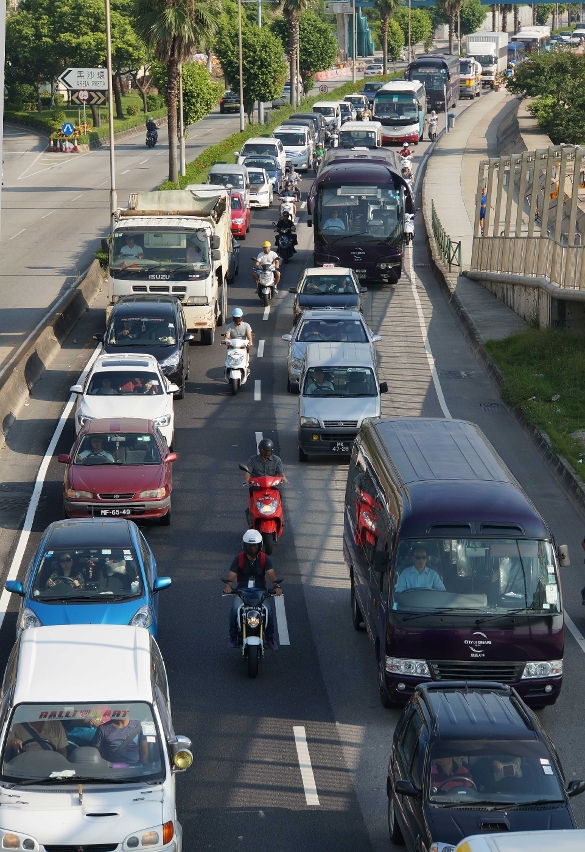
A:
x: 260, y: 103
x: 182, y: 163
x: 2, y: 58
x: 354, y: 42
x: 113, y: 193
x: 241, y: 66
x: 409, y: 32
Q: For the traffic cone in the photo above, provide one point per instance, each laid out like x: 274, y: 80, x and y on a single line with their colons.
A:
x: 75, y: 149
x: 65, y: 146
x: 51, y: 145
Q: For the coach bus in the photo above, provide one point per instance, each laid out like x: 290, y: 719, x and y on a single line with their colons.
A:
x: 400, y: 107
x: 440, y: 75
x: 534, y: 39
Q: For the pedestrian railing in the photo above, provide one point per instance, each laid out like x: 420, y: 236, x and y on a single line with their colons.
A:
x: 449, y: 250
x: 539, y: 257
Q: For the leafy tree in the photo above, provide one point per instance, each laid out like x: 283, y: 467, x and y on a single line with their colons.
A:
x: 174, y: 28
x: 30, y: 52
x: 450, y: 9
x: 385, y: 9
x: 543, y: 12
x: 395, y: 41
x: 264, y: 68
x: 420, y: 24
x: 200, y: 92
x: 472, y: 16
x: 292, y: 11
x: 317, y: 44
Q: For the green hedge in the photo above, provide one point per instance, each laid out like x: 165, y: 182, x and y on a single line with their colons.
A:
x: 223, y: 152
x: 47, y: 125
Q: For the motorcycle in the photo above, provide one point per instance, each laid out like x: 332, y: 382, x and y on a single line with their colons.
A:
x: 316, y: 162
x: 264, y: 512
x: 406, y: 167
x: 408, y: 227
x: 332, y: 139
x: 151, y: 138
x: 237, y: 363
x: 266, y: 285
x: 291, y: 184
x: 433, y: 129
x: 252, y: 622
x: 285, y: 244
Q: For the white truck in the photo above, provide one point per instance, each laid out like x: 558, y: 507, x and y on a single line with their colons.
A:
x: 176, y: 242
x: 491, y: 51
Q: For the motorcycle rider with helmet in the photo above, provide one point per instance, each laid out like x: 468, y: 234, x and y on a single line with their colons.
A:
x: 285, y: 225
x: 238, y: 329
x: 251, y: 567
x: 265, y: 463
x: 432, y: 121
x: 152, y: 128
x: 271, y: 257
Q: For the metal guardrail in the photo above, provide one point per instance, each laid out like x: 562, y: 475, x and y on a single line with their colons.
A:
x: 539, y: 257
x: 449, y: 250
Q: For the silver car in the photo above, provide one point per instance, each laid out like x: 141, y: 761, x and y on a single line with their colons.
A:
x: 335, y: 326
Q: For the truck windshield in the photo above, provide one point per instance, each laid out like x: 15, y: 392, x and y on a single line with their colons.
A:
x: 399, y: 107
x: 480, y: 575
x: 340, y: 381
x: 435, y: 79
x: 136, y: 251
x: 465, y: 67
x: 66, y: 743
x: 348, y: 212
x: 485, y: 61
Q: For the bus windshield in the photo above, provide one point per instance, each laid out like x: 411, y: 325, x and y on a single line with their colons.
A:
x: 146, y: 250
x: 493, y: 576
x: 372, y: 213
x: 400, y: 107
x: 435, y: 79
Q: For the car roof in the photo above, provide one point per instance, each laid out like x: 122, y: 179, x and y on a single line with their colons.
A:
x: 326, y: 103
x: 288, y: 127
x: 461, y: 711
x: 361, y: 125
x: 118, y: 424
x: 329, y: 355
x: 84, y: 663
x: 255, y: 170
x: 541, y: 840
x: 89, y: 532
x: 261, y: 139
x: 227, y: 168
x: 148, y: 305
x: 124, y: 360
x: 327, y: 270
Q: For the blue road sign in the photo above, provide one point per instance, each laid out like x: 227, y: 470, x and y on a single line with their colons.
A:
x: 67, y: 128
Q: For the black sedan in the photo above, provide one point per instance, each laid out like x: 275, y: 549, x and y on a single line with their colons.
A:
x: 229, y: 103
x: 327, y: 287
x: 154, y: 325
x: 469, y: 758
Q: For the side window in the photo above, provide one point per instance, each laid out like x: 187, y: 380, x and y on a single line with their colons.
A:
x: 409, y: 739
x: 146, y: 559
x: 415, y: 768
x: 162, y: 441
x: 158, y: 673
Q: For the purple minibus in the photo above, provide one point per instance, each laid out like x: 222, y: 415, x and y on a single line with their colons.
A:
x: 357, y: 203
x: 454, y: 574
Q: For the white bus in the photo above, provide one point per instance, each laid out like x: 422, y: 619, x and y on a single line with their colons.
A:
x: 400, y: 107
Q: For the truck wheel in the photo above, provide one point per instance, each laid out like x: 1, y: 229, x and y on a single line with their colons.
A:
x: 207, y: 336
x: 223, y: 308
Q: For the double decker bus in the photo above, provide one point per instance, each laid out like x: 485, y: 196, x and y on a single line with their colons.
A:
x: 400, y: 107
x: 440, y: 74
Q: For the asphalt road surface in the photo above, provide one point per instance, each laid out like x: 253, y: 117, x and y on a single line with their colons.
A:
x: 245, y: 790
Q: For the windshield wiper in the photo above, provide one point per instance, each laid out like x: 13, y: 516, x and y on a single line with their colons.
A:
x: 490, y: 616
x: 77, y: 779
x: 443, y: 611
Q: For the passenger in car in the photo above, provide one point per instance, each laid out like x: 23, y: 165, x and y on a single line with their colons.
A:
x: 116, y: 576
x: 121, y: 741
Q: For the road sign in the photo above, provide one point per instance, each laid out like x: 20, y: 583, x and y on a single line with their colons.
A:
x: 93, y: 98
x: 67, y: 129
x: 337, y: 8
x: 91, y: 79
x: 323, y: 89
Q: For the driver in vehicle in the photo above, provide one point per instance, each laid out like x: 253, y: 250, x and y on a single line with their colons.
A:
x: 121, y: 741
x: 66, y: 574
x: 448, y: 773
x: 419, y: 575
x: 318, y: 383
x: 97, y: 452
x: 28, y: 736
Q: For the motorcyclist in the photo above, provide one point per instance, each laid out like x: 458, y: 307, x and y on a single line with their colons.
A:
x: 290, y: 192
x: 271, y: 257
x: 405, y: 151
x: 318, y: 154
x: 250, y: 567
x: 285, y: 225
x: 265, y: 463
x: 432, y: 121
x: 238, y: 329
x: 152, y: 128
x: 294, y: 178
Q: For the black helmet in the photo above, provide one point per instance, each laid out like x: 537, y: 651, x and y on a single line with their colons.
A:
x: 266, y: 445
x: 286, y: 213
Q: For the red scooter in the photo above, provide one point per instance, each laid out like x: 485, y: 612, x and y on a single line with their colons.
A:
x: 264, y: 512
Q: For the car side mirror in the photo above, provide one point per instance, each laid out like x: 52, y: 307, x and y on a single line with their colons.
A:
x: 215, y: 241
x: 363, y: 289
x: 575, y: 788
x: 383, y: 387
x: 406, y: 788
x: 171, y: 457
x: 563, y: 554
x: 173, y: 388
x: 292, y: 289
x: 99, y: 337
x: 64, y: 458
x: 287, y: 337
x: 187, y: 338
x: 382, y: 561
x: 14, y: 586
x: 236, y: 153
x: 76, y: 389
x: 161, y: 583
x: 376, y: 338
x: 309, y: 223
x: 215, y: 254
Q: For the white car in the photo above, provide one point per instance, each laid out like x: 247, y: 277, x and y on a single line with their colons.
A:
x: 260, y: 188
x: 297, y: 144
x: 126, y: 385
x: 373, y: 69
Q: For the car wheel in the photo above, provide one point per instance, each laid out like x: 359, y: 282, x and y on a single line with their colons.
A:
x: 303, y: 457
x: 181, y: 394
x: 165, y: 521
x: 393, y: 827
x: 207, y: 336
x: 356, y: 613
x: 289, y: 386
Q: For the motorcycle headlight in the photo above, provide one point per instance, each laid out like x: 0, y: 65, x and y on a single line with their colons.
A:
x: 398, y: 665
x: 153, y: 492
x: 172, y: 362
x: 141, y: 618
x: 28, y: 619
x: 310, y: 421
x: 162, y: 421
x: 546, y: 668
x: 267, y: 507
x: 78, y: 495
x: 438, y: 846
x: 253, y: 618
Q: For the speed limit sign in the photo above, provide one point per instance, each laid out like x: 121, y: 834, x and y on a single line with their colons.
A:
x: 323, y: 89
x: 83, y: 95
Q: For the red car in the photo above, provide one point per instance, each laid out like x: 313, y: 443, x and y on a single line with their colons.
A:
x: 119, y: 468
x: 240, y: 216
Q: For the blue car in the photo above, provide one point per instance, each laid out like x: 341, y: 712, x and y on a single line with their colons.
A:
x: 90, y: 571
x: 270, y: 165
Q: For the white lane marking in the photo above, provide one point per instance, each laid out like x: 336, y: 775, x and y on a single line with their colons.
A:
x: 77, y: 196
x: 50, y: 213
x: 281, y: 621
x: 125, y: 172
x: 39, y: 482
x: 259, y: 437
x: 257, y: 390
x: 266, y: 312
x: 32, y: 164
x: 143, y: 161
x: 303, y: 205
x: 107, y: 180
x: 579, y: 639
x: 18, y: 234
x: 260, y: 349
x: 305, y: 764
x: 427, y: 345
x: 24, y: 176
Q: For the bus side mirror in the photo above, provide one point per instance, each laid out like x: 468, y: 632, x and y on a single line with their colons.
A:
x: 382, y: 561
x: 309, y: 223
x: 563, y: 554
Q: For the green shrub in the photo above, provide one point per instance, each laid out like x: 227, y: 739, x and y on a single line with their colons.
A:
x: 154, y: 102
x: 58, y: 116
x: 103, y: 258
x: 132, y: 109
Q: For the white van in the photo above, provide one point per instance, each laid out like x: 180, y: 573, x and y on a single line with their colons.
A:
x: 89, y: 754
x: 360, y: 134
x: 297, y: 145
x: 262, y: 146
x: 331, y: 113
x: 525, y: 841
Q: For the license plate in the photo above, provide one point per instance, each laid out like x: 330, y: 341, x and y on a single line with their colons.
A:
x: 361, y: 273
x: 341, y: 447
x: 115, y: 512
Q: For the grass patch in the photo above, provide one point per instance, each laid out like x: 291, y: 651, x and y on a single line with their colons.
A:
x: 544, y: 376
x: 223, y: 152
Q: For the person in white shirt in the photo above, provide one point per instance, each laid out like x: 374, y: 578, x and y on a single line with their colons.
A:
x: 334, y: 223
x: 268, y: 256
x: 131, y: 249
x: 419, y: 575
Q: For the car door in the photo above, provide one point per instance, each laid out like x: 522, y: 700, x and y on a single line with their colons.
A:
x: 405, y: 766
x: 358, y: 501
x: 149, y: 564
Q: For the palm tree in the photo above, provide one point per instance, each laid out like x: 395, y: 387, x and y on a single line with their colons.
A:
x: 450, y: 8
x: 386, y: 9
x: 292, y: 11
x: 174, y: 28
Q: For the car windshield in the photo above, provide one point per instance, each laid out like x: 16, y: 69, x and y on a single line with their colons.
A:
x: 327, y: 285
x: 258, y: 148
x: 87, y: 574
x: 227, y: 179
x: 141, y: 331
x: 357, y: 138
x: 372, y: 212
x: 127, y: 448
x: 146, y: 250
x: 269, y: 164
x: 64, y: 743
x: 510, y: 771
x: 340, y: 382
x: 124, y: 382
x: 324, y: 110
x: 332, y: 330
x: 354, y: 99
x: 257, y: 178
x: 294, y: 140
x: 493, y: 576
x: 236, y: 203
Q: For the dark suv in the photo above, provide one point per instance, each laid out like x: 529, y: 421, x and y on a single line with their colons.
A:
x: 230, y: 102
x: 155, y: 325
x: 470, y: 759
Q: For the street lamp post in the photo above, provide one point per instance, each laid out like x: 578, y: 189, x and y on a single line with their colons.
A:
x: 260, y: 103
x: 113, y: 193
x: 241, y: 66
x: 182, y: 163
x: 409, y: 31
x: 354, y: 42
x: 2, y: 57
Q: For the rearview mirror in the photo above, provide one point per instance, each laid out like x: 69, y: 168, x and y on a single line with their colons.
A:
x: 383, y: 387
x: 563, y: 554
x: 187, y: 338
x: 376, y: 338
x: 236, y: 153
x: 575, y: 788
x: 382, y: 561
x: 14, y: 586
x: 215, y: 254
x: 405, y: 788
x: 215, y: 241
x: 173, y: 388
x: 309, y: 223
x: 161, y: 583
x: 64, y: 458
x: 76, y: 389
x: 99, y: 337
x: 171, y: 457
x: 244, y: 468
x: 287, y: 337
x: 292, y: 289
x: 363, y: 289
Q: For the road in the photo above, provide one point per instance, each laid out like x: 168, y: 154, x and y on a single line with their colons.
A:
x: 245, y: 790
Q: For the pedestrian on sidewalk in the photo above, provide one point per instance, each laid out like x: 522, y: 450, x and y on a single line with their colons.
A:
x: 482, y: 208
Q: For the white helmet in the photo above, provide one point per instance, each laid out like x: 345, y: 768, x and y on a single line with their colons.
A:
x: 252, y: 537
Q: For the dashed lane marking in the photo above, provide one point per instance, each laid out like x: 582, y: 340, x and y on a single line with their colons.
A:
x: 305, y: 764
x: 257, y: 390
x: 260, y: 349
x: 266, y: 312
x: 281, y: 622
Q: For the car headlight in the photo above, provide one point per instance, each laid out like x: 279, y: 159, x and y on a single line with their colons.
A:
x: 82, y: 419
x: 237, y: 221
x: 27, y: 619
x: 296, y: 364
x: 546, y: 668
x: 253, y: 618
x: 267, y: 507
x: 172, y: 362
x: 141, y: 618
x: 438, y: 846
x: 150, y: 837
x: 162, y: 421
x: 78, y: 495
x: 310, y: 421
x: 12, y: 840
x: 197, y: 300
x: 398, y: 665
x: 153, y: 492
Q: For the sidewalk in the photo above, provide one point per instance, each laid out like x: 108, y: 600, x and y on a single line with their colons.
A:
x: 451, y: 182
